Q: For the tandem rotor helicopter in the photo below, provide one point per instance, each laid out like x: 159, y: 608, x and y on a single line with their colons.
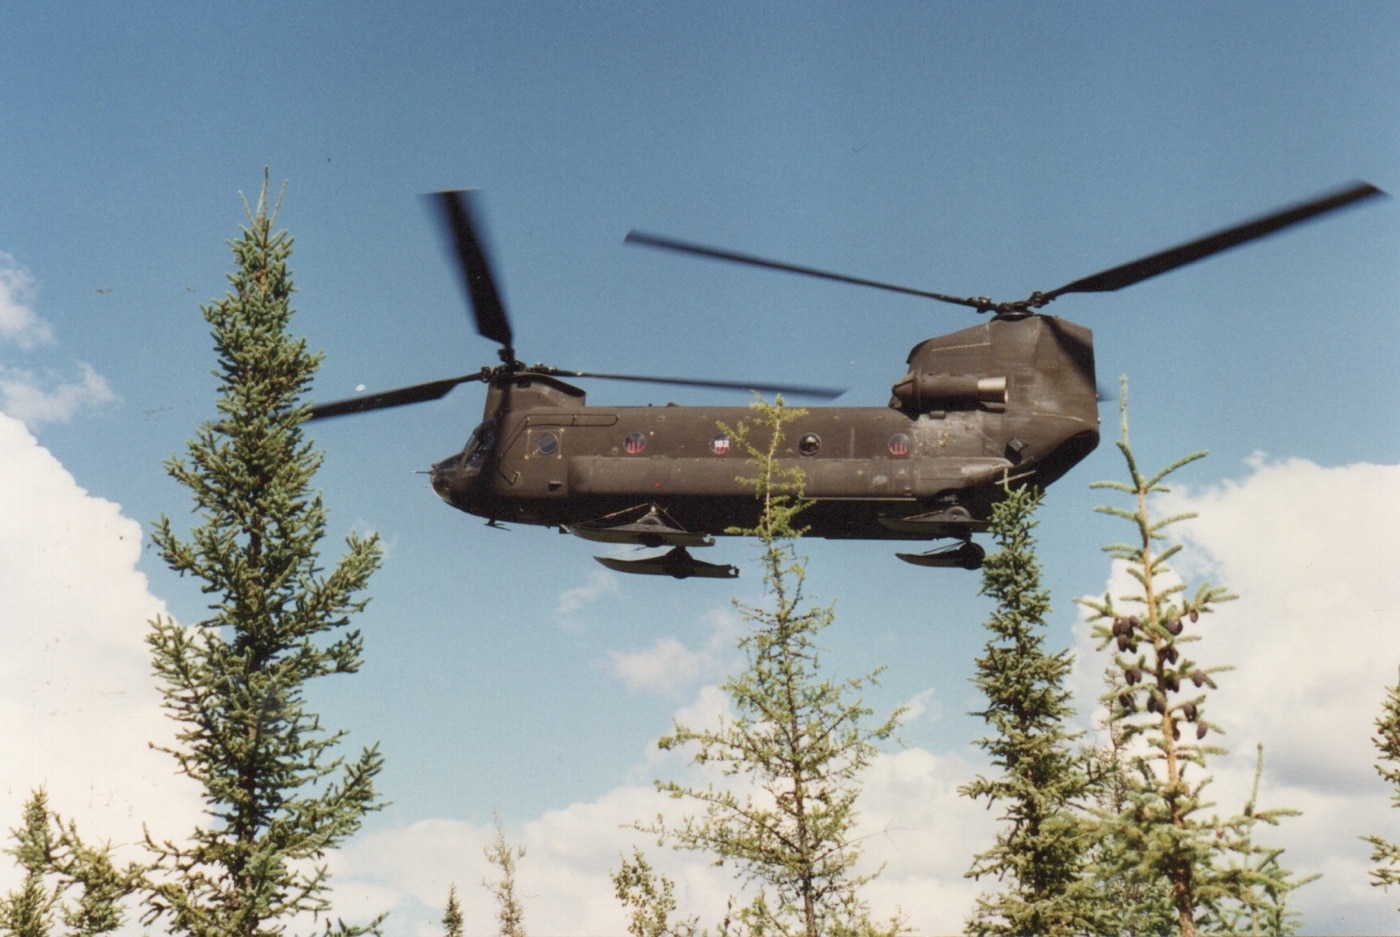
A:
x: 1013, y: 399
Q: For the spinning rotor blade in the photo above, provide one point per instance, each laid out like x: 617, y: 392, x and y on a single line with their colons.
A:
x: 459, y: 211
x: 685, y: 247
x: 797, y: 390
x: 1105, y: 281
x: 399, y: 397
x: 1150, y: 266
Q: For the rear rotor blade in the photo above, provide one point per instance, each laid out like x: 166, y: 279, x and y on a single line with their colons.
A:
x: 686, y: 247
x: 399, y: 397
x: 796, y: 390
x: 1150, y: 266
x: 459, y: 211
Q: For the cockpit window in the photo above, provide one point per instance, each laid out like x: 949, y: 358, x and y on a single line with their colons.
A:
x: 479, y: 446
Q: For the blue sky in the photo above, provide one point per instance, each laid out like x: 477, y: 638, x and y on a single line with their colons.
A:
x: 988, y: 148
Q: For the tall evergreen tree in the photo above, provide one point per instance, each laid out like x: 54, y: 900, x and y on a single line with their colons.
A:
x: 452, y: 915
x: 1386, y: 853
x: 30, y: 910
x: 1256, y: 884
x: 650, y: 900
x: 65, y: 881
x: 1163, y: 832
x: 277, y: 793
x: 798, y: 738
x: 1039, y: 855
x: 510, y: 913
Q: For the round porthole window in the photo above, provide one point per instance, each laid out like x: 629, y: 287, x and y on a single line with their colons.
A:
x: 547, y: 444
x: 809, y: 444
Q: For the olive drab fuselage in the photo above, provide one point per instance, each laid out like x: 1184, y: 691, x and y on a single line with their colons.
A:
x: 1011, y: 400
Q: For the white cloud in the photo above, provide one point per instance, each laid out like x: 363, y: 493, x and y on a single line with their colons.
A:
x: 670, y: 667
x: 78, y: 705
x: 19, y: 323
x: 36, y: 400
x: 1312, y: 553
x: 600, y: 585
x: 913, y: 822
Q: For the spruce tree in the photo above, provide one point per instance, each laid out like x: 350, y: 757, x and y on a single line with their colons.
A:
x: 798, y: 739
x: 510, y: 914
x: 1040, y: 852
x: 650, y: 900
x: 1163, y: 833
x: 29, y: 911
x: 1255, y: 883
x: 65, y: 881
x: 452, y: 916
x: 1386, y: 853
x: 277, y: 792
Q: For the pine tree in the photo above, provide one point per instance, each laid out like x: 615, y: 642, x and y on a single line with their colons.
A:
x: 57, y: 864
x: 1385, y: 853
x: 1128, y: 900
x: 452, y: 916
x: 799, y: 739
x: 1163, y: 833
x: 1040, y: 852
x: 650, y: 900
x: 29, y: 912
x: 1254, y: 882
x: 277, y: 793
x: 1163, y: 830
x: 510, y: 914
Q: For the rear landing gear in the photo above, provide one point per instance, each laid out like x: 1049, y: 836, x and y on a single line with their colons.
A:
x: 650, y: 526
x: 676, y: 563
x: 965, y: 555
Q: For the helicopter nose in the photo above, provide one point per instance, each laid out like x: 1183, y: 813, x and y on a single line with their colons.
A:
x: 451, y: 482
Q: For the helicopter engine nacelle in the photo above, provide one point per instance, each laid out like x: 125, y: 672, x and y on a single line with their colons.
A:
x: 924, y: 392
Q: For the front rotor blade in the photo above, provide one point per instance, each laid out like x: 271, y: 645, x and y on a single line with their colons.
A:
x: 402, y: 396
x: 459, y: 211
x: 1138, y: 270
x: 797, y: 390
x: 685, y: 247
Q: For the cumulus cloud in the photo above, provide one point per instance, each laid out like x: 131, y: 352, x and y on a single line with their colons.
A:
x: 1311, y: 552
x: 669, y: 666
x: 19, y: 324
x: 78, y: 705
x: 600, y: 585
x: 37, y: 399
x: 913, y: 823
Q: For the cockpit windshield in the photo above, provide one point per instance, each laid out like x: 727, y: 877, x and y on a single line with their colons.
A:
x: 479, y: 446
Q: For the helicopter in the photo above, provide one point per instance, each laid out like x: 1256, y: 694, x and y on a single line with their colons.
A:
x: 1012, y: 400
